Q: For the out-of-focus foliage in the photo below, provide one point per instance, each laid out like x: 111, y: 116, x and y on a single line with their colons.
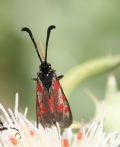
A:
x: 109, y: 108
x: 90, y: 69
x: 85, y: 30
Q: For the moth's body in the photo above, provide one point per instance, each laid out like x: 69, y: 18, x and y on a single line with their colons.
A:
x: 51, y: 103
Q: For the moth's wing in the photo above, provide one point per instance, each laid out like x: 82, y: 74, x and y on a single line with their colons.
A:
x: 44, y: 116
x: 62, y: 112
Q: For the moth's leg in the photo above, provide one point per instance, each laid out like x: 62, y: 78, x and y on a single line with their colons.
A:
x: 34, y: 78
x: 60, y: 77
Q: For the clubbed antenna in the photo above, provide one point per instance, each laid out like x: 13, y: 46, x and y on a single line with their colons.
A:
x: 47, y: 39
x: 32, y: 38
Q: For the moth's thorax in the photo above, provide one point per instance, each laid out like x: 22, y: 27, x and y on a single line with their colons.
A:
x: 46, y: 75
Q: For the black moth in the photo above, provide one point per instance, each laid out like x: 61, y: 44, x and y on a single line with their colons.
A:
x: 51, y: 104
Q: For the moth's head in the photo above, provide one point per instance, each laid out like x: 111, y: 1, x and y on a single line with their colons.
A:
x: 45, y: 67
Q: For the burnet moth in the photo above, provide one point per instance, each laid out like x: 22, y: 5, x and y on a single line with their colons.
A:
x: 51, y: 103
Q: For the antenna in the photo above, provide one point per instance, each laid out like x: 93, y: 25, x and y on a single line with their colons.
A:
x: 47, y: 39
x: 32, y: 38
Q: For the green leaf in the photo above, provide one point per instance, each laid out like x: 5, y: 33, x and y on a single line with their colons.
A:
x: 78, y: 74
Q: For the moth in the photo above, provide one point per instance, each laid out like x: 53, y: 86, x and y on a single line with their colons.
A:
x: 51, y: 103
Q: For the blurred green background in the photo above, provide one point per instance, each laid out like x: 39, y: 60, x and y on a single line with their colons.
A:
x: 84, y: 30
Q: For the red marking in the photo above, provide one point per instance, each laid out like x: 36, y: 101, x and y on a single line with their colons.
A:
x: 79, y: 135
x: 56, y: 85
x: 63, y: 97
x: 39, y: 87
x: 43, y: 110
x: 65, y: 143
x: 51, y: 102
x: 38, y: 114
x: 32, y: 132
x: 60, y: 107
x: 66, y: 109
x: 38, y: 102
x: 13, y: 141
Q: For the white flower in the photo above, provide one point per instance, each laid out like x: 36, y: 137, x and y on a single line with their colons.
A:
x: 93, y: 136
x: 21, y: 132
x: 17, y: 131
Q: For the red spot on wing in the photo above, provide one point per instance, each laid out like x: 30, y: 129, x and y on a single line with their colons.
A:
x: 60, y: 107
x: 38, y: 102
x: 39, y: 87
x: 43, y: 110
x: 38, y: 114
x: 63, y: 97
x: 56, y: 85
x: 66, y: 109
x: 51, y: 104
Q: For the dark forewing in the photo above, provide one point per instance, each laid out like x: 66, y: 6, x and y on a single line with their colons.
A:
x: 62, y: 112
x: 44, y: 115
x: 52, y: 106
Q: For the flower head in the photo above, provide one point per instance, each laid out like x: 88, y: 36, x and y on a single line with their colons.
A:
x: 17, y: 131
